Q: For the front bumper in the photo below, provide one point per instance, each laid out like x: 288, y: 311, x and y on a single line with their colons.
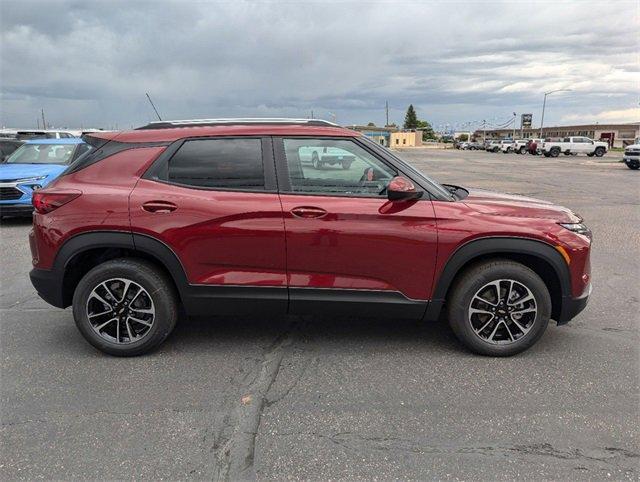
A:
x: 631, y: 160
x: 48, y: 284
x: 571, y: 307
x: 23, y: 209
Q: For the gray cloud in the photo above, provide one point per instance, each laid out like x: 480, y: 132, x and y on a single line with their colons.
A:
x: 90, y: 62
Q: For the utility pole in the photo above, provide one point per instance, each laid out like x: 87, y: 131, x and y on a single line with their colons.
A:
x: 312, y: 114
x: 386, y: 108
x: 38, y: 122
x: 44, y: 124
x: 513, y: 137
x: 154, y: 107
x: 544, y: 103
x: 484, y: 131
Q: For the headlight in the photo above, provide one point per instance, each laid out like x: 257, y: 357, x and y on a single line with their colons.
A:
x: 30, y: 179
x: 578, y: 228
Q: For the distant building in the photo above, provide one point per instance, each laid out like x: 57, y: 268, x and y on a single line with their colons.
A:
x: 412, y: 138
x: 381, y: 135
x: 617, y: 135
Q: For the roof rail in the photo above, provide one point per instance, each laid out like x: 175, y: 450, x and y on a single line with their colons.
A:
x: 169, y: 124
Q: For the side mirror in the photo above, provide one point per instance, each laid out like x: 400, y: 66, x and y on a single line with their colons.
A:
x: 402, y: 189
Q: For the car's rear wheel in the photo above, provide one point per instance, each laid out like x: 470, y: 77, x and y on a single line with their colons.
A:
x: 599, y: 152
x: 522, y: 150
x: 315, y: 161
x: 125, y: 307
x: 499, y: 308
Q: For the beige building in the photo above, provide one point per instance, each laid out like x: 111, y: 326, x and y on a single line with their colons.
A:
x: 617, y: 135
x: 406, y: 139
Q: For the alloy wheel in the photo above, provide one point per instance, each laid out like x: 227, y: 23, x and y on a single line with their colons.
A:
x: 120, y: 311
x: 502, y: 311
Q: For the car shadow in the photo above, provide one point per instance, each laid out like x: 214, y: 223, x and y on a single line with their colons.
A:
x: 433, y: 335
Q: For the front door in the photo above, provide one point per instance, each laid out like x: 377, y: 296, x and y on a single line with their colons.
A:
x: 347, y: 244
x: 214, y: 203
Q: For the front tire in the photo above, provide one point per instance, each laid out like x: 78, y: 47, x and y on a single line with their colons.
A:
x: 499, y: 308
x: 125, y: 307
x: 554, y: 152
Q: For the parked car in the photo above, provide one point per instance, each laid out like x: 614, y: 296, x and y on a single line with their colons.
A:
x: 44, y: 134
x: 632, y: 155
x: 520, y: 146
x: 504, y: 145
x: 31, y: 167
x: 574, y: 146
x: 7, y: 147
x: 221, y: 216
x: 319, y: 157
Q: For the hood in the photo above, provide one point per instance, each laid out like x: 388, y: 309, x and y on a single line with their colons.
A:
x: 12, y: 172
x: 513, y: 205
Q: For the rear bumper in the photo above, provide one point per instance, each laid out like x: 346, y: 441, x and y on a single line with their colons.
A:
x: 16, y: 209
x: 48, y: 284
x: 571, y: 307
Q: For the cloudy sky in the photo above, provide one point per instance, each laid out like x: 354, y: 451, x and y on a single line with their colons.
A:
x: 90, y: 63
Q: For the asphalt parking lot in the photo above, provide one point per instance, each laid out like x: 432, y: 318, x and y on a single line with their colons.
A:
x: 342, y: 398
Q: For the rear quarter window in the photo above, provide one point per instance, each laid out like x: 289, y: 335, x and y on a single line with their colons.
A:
x: 218, y: 164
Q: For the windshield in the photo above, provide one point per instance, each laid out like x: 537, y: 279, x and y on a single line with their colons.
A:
x: 42, y: 154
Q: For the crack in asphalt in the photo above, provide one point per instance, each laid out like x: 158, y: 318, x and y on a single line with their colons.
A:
x: 356, y: 442
x: 234, y: 445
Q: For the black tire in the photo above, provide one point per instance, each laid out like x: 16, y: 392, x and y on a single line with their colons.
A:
x: 599, y: 152
x: 522, y: 150
x: 469, y: 283
x: 633, y: 165
x: 315, y: 161
x: 554, y: 152
x: 546, y: 154
x: 159, y: 289
x: 590, y: 154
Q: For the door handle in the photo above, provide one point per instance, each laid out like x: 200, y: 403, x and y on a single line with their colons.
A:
x: 308, y: 212
x: 159, y: 206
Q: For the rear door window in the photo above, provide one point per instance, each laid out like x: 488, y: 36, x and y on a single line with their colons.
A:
x: 218, y: 164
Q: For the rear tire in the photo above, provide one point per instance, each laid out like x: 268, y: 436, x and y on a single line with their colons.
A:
x: 522, y: 150
x: 489, y: 329
x: 599, y: 152
x: 125, y: 307
x: 315, y: 161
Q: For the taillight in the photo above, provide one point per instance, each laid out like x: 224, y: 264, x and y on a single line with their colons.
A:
x: 46, y: 201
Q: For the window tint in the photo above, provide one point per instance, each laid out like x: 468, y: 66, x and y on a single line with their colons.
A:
x: 218, y: 163
x: 329, y: 166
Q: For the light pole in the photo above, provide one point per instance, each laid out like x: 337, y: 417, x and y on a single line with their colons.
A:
x: 513, y: 137
x: 544, y: 103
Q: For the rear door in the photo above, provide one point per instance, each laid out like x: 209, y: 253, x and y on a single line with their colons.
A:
x: 214, y: 203
x: 348, y: 247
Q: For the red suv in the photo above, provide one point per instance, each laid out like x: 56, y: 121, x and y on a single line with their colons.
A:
x: 234, y: 216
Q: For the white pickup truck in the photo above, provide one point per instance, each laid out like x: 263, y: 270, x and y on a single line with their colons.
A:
x: 575, y: 145
x: 632, y: 155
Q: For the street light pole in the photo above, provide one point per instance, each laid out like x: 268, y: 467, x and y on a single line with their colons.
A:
x: 544, y: 104
x: 513, y: 137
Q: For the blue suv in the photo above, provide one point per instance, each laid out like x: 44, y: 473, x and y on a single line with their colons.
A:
x: 34, y: 165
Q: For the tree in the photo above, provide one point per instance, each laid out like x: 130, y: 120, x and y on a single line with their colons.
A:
x: 463, y: 137
x: 427, y: 130
x: 371, y: 124
x: 411, y: 119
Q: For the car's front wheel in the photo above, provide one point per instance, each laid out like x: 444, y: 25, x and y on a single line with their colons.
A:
x: 125, y: 307
x: 499, y: 308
